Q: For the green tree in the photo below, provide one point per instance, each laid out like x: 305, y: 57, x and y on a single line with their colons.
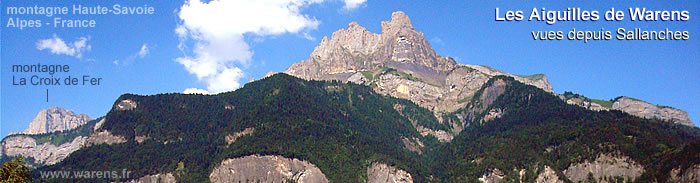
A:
x: 14, y: 172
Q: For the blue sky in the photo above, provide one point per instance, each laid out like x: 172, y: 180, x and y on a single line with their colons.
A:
x: 150, y: 54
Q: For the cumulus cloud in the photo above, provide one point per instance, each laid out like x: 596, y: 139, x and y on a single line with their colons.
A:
x: 352, y: 4
x: 56, y: 45
x: 213, y: 34
x: 217, y: 30
x: 144, y: 51
x: 196, y: 91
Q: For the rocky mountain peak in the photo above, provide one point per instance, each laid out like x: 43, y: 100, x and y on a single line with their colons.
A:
x: 398, y: 20
x: 55, y: 119
x: 398, y: 62
x: 354, y: 49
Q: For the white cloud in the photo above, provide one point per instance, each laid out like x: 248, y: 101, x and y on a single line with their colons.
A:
x: 352, y: 4
x: 56, y: 45
x: 225, y: 81
x: 218, y: 29
x: 195, y: 91
x: 144, y: 51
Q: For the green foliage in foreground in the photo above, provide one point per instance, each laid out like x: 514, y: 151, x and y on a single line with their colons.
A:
x: 14, y: 172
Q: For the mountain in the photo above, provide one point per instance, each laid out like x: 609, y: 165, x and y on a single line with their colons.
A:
x: 399, y: 62
x: 46, y: 148
x: 284, y: 128
x: 51, y: 136
x: 339, y: 128
x: 55, y: 119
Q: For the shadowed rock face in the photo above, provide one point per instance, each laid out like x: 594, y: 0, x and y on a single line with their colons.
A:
x: 266, y: 169
x: 691, y: 174
x: 55, y: 119
x: 646, y: 110
x: 492, y: 176
x: 399, y: 62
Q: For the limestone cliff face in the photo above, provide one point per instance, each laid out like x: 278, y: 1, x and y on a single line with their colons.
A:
x: 548, y: 176
x: 103, y: 137
x: 157, y: 178
x: 383, y: 173
x: 55, y: 119
x: 646, y: 110
x: 399, y: 62
x: 266, y: 169
x: 47, y: 153
x: 606, y: 166
x: 44, y: 153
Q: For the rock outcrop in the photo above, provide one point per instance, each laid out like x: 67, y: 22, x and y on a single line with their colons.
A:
x: 266, y: 169
x: 414, y: 145
x: 45, y: 153
x: 548, y: 175
x: 383, y: 173
x: 587, y: 104
x: 231, y: 138
x: 604, y: 167
x: 55, y: 119
x: 127, y: 104
x: 492, y: 176
x: 691, y: 174
x: 104, y: 137
x: 650, y: 111
x: 157, y: 178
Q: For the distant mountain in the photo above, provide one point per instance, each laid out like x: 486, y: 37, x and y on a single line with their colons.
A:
x: 55, y: 119
x: 46, y: 148
x: 51, y: 136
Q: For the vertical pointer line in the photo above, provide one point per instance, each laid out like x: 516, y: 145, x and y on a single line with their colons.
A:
x: 47, y: 95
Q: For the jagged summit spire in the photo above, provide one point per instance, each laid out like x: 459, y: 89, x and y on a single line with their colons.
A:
x: 354, y: 49
x: 398, y: 20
